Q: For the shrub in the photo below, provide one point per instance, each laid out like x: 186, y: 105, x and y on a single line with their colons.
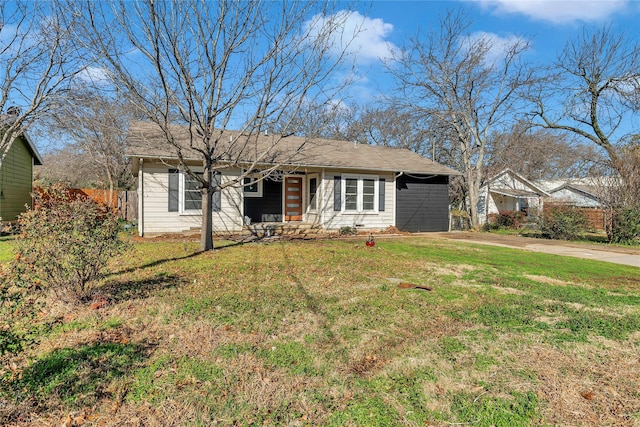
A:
x: 563, y: 222
x: 625, y: 225
x: 67, y: 241
x: 346, y: 230
x: 505, y: 219
x: 18, y: 306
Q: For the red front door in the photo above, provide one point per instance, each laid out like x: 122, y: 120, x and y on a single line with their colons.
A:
x: 293, y: 198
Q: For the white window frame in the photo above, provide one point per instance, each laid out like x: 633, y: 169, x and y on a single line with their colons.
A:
x: 251, y: 182
x: 360, y: 193
x: 308, y: 195
x: 181, y: 193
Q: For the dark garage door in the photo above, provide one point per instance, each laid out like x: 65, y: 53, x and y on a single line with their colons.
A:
x: 422, y: 203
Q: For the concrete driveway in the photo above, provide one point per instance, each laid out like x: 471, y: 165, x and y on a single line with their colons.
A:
x: 614, y: 254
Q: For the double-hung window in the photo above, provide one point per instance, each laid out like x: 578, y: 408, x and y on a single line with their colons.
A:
x: 360, y: 193
x: 185, y: 195
x: 192, y: 193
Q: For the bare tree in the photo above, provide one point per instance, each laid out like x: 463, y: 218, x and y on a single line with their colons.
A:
x: 38, y: 61
x: 593, y: 91
x: 212, y: 66
x: 540, y: 154
x: 95, y: 126
x: 468, y: 81
x: 66, y: 165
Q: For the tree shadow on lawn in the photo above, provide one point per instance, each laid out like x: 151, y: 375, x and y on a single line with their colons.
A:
x: 194, y: 254
x: 75, y: 377
x: 117, y: 291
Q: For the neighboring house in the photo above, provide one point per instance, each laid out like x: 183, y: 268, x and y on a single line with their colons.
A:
x: 328, y: 184
x: 508, y: 192
x: 578, y: 195
x: 584, y: 194
x: 16, y: 176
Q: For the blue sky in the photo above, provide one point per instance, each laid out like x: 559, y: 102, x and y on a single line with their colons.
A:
x: 547, y: 24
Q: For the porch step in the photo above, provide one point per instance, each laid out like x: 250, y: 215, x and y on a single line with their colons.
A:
x: 268, y: 229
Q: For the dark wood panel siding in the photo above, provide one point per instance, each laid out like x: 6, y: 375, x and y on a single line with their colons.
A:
x: 422, y: 203
x: 267, y: 208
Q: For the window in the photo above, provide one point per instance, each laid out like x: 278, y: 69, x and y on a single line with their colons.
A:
x: 252, y: 187
x: 360, y: 193
x: 185, y: 195
x: 313, y: 192
x: 192, y: 193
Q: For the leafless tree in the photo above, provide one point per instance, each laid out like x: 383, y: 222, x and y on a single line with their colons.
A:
x: 65, y: 165
x: 94, y: 124
x: 593, y: 91
x: 468, y: 81
x: 212, y: 66
x: 38, y: 62
x: 540, y: 154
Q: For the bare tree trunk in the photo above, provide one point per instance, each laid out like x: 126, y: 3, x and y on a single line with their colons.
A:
x: 206, y: 234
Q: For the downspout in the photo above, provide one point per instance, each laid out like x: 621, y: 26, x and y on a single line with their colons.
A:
x: 321, y: 199
x: 141, y: 198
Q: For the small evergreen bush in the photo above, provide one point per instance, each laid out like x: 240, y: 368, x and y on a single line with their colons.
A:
x: 625, y: 225
x: 563, y: 222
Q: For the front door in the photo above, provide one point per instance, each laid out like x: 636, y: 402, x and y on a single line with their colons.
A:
x: 293, y: 198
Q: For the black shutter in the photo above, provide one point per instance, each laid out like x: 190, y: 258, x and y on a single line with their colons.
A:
x: 173, y: 190
x: 216, y: 204
x: 337, y: 193
x: 381, y: 195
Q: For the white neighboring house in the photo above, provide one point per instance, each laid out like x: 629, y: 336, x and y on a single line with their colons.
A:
x: 327, y: 184
x: 580, y: 192
x: 510, y: 191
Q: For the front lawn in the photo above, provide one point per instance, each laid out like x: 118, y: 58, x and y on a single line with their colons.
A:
x: 334, y: 333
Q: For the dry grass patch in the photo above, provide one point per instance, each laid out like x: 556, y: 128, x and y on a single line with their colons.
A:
x: 583, y: 386
x: 550, y: 281
x: 315, y: 333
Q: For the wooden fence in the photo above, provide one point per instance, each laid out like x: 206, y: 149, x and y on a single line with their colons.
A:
x: 128, y: 205
x: 125, y: 202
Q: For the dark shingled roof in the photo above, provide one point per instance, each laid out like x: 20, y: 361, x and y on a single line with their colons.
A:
x: 146, y: 140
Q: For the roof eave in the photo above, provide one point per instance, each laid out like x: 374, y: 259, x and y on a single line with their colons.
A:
x: 449, y: 172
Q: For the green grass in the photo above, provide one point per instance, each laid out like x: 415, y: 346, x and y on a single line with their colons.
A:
x: 6, y: 248
x: 319, y: 333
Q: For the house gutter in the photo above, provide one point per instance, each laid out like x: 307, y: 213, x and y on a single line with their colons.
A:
x: 322, y: 199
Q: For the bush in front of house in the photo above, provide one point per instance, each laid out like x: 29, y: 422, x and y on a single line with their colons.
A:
x: 625, y: 225
x: 66, y: 241
x: 563, y: 222
x: 505, y: 220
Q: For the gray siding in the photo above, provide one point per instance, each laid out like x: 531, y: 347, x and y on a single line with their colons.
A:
x: 422, y: 203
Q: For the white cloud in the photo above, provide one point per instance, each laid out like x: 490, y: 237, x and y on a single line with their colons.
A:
x: 558, y: 12
x: 358, y: 35
x: 498, y: 46
x: 95, y: 75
